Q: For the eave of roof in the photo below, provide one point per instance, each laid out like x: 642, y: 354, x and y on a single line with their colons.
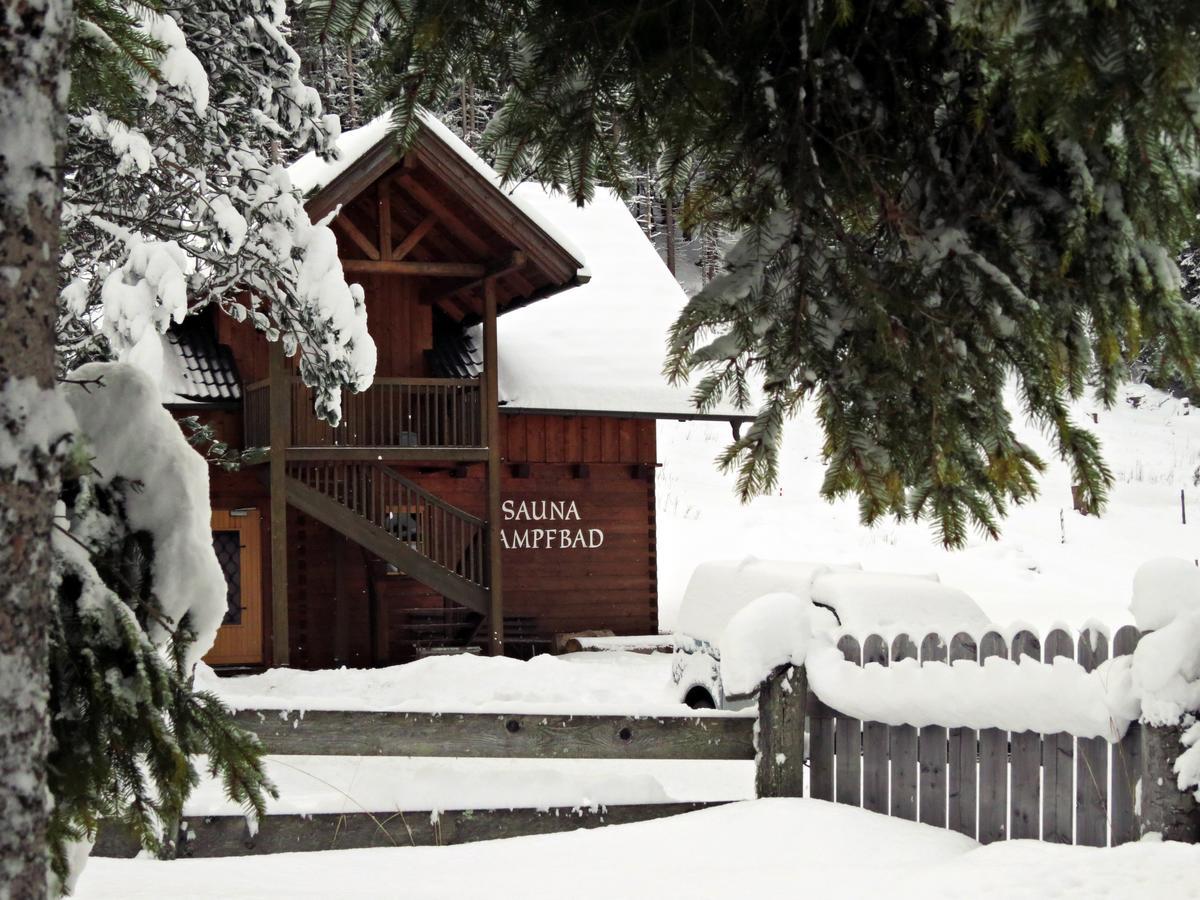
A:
x: 673, y: 416
x: 449, y: 159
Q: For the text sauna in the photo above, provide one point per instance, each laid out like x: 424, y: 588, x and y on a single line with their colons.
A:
x: 546, y: 538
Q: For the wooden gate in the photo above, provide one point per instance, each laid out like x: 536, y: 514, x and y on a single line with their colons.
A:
x: 989, y: 784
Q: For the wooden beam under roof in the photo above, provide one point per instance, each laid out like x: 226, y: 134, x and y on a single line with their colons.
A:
x: 449, y: 218
x: 515, y: 263
x: 456, y: 310
x: 414, y: 237
x: 360, y: 240
x: 415, y: 267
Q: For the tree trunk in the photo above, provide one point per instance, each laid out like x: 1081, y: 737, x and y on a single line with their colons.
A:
x: 670, y: 228
x: 350, y: 84
x: 33, y: 80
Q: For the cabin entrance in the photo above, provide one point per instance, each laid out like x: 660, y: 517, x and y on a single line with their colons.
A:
x: 237, y: 540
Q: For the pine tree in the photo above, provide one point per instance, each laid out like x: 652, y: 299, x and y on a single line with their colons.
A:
x: 931, y: 198
x: 177, y: 185
x: 127, y: 724
x: 1154, y: 365
x: 175, y: 198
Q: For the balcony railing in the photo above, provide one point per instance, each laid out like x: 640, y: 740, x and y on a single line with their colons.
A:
x: 394, y: 412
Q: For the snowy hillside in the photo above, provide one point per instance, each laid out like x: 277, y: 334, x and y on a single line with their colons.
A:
x: 1051, y: 565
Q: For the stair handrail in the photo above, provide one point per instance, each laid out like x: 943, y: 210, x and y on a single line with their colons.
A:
x: 433, y: 499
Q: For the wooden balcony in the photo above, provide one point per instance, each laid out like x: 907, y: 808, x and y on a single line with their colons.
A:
x: 397, y: 418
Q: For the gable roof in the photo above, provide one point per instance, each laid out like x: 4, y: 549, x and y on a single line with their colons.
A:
x: 474, y: 219
x: 596, y: 346
x: 311, y: 175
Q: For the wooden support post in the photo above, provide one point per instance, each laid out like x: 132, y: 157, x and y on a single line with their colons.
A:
x: 491, y: 412
x: 341, y: 611
x: 385, y: 219
x: 779, y: 760
x: 280, y: 432
x: 1164, y: 808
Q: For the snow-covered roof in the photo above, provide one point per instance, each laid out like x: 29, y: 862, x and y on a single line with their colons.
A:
x: 599, y: 346
x: 196, y: 369
x: 310, y: 174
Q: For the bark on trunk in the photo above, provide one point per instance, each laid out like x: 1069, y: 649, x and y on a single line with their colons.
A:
x: 670, y: 229
x: 34, y: 37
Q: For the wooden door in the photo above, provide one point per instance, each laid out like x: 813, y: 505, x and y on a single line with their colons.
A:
x: 238, y: 542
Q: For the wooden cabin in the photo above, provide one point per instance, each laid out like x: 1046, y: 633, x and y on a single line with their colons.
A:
x: 495, y: 486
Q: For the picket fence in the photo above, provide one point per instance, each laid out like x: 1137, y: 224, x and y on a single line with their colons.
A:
x: 989, y: 784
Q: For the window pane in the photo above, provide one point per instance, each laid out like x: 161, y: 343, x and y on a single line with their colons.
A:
x: 228, y: 545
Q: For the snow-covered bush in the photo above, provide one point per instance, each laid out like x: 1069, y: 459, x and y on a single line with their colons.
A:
x: 139, y: 597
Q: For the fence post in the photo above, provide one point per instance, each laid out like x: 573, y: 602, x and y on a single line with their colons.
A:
x: 1164, y: 808
x: 779, y: 738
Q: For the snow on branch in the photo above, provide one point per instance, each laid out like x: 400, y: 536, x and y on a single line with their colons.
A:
x: 186, y: 202
x: 134, y: 441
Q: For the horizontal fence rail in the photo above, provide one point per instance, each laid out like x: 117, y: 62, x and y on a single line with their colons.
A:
x: 448, y: 536
x: 217, y: 836
x: 988, y: 784
x: 486, y: 735
x: 476, y: 735
x: 393, y: 412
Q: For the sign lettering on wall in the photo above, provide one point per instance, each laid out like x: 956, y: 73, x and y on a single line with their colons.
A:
x: 555, y: 530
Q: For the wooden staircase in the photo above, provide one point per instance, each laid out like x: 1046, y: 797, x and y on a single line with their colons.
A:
x: 403, y: 524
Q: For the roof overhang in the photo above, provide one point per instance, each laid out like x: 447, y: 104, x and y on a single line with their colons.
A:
x: 558, y: 266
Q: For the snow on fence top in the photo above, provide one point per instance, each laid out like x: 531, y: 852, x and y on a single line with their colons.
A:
x: 1158, y: 683
x: 1010, y: 694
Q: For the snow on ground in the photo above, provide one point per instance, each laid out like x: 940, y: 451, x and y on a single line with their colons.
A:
x: 761, y: 848
x: 337, y: 784
x: 1043, y: 570
x: 617, y: 683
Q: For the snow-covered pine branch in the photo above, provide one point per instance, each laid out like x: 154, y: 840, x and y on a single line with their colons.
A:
x: 186, y: 203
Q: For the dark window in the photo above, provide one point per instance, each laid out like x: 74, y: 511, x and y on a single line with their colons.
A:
x: 228, y: 545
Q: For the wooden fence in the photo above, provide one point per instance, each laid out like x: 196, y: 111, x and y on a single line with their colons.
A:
x: 479, y: 735
x: 989, y: 784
